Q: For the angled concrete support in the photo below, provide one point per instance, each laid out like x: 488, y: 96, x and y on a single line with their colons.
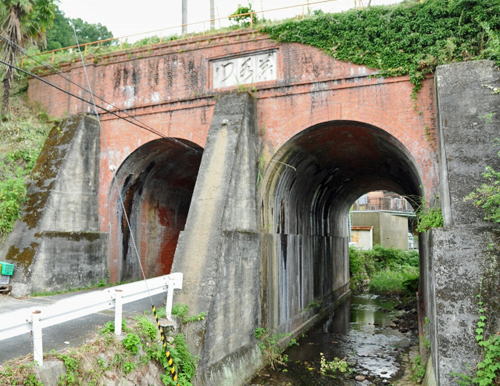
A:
x: 458, y: 262
x: 219, y: 250
x: 57, y: 244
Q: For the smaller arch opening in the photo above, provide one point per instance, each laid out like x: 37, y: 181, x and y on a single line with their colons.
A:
x: 156, y: 184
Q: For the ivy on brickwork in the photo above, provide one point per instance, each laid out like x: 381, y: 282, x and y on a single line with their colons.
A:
x: 410, y: 38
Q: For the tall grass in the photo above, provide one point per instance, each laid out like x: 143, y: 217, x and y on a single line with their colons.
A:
x: 390, y: 281
x: 384, y: 270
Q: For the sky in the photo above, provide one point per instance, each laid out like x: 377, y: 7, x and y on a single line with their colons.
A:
x: 130, y: 17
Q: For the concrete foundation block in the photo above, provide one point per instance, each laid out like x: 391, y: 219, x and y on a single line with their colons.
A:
x: 50, y: 373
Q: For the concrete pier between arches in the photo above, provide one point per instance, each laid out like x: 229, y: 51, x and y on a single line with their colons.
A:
x: 219, y: 250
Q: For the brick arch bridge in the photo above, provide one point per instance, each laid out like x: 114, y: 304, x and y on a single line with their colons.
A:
x: 262, y: 148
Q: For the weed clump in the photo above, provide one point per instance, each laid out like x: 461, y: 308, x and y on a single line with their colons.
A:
x: 384, y: 270
x: 136, y: 357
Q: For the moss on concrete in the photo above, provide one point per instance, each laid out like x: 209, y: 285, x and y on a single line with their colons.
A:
x: 22, y: 258
x: 46, y: 170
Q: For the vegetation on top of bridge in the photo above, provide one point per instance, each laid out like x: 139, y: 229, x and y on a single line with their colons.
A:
x: 409, y: 38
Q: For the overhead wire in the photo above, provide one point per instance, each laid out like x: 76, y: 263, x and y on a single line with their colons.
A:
x: 60, y: 73
x: 116, y: 112
x: 79, y: 97
x: 168, y: 355
x: 120, y: 198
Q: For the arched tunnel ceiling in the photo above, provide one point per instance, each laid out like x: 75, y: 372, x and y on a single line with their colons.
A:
x: 317, y: 175
x: 175, y: 157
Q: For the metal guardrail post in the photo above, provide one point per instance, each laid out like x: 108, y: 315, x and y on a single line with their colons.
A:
x: 118, y: 312
x: 37, y: 337
x: 174, y: 281
x: 29, y: 320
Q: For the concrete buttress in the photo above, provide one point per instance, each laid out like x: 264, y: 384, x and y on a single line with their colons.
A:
x: 57, y: 244
x: 458, y: 262
x: 219, y: 250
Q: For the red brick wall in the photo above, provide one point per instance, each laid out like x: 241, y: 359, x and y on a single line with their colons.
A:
x: 168, y: 87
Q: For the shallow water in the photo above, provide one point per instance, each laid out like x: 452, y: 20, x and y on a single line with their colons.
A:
x: 358, y: 331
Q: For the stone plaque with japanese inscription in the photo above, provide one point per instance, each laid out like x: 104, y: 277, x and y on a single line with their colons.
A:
x: 248, y: 69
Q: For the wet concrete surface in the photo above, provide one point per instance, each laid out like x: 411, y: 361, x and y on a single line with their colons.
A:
x: 364, y: 332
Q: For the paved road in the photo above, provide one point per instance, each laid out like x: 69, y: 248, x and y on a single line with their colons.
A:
x: 75, y: 332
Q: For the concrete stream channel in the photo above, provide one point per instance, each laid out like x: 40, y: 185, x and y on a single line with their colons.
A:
x: 362, y: 330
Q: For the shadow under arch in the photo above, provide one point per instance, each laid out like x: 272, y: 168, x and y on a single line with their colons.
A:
x: 156, y: 184
x: 308, y: 188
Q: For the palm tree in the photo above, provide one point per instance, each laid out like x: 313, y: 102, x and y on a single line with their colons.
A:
x: 22, y: 23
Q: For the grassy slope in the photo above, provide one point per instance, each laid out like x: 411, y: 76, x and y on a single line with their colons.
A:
x: 22, y: 135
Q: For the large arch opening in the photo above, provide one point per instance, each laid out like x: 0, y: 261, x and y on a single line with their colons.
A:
x: 309, y: 186
x: 156, y: 184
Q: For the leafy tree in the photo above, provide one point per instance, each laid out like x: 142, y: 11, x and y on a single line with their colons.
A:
x: 62, y: 35
x: 22, y: 22
x: 87, y: 32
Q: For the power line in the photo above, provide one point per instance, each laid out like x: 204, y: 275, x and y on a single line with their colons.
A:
x: 60, y: 73
x: 173, y: 373
x: 140, y: 124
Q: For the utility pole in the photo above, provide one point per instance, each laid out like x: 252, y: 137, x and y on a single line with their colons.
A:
x: 212, y: 14
x: 184, y: 16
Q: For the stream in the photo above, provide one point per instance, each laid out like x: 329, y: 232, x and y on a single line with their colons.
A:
x: 362, y: 331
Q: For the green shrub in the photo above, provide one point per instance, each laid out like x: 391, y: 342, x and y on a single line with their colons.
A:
x: 244, y: 20
x: 271, y: 350
x: 180, y: 310
x: 12, y: 195
x: 487, y: 196
x: 392, y: 257
x: 356, y: 261
x: 361, y: 266
x: 147, y: 328
x: 389, y: 267
x: 132, y: 343
x: 410, y: 286
x: 389, y: 281
x: 184, y: 361
x: 429, y: 217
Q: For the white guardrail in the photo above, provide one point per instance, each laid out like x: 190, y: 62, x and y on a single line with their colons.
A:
x: 34, y: 319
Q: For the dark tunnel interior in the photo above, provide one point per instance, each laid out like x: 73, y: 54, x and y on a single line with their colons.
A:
x: 316, y: 176
x: 156, y: 184
x: 308, y: 189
